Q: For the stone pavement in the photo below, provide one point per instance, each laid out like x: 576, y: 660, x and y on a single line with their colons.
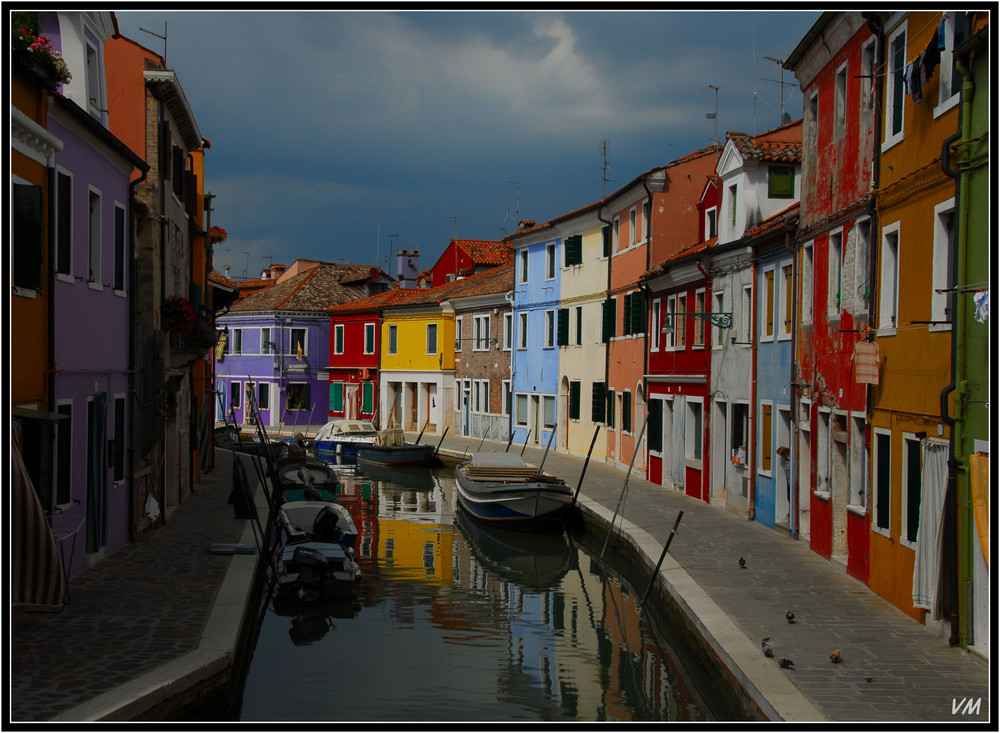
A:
x: 143, y: 607
x: 892, y: 669
x: 155, y: 605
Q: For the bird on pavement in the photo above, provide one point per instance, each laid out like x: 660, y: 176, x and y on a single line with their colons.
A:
x: 768, y: 652
x: 743, y: 563
x: 785, y: 663
x: 790, y: 616
x: 835, y: 656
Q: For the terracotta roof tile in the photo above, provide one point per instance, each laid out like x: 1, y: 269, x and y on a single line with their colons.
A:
x: 485, y: 252
x: 314, y: 289
x: 682, y: 254
x: 774, y: 222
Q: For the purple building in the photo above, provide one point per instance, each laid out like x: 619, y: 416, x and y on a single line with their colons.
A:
x: 276, y: 342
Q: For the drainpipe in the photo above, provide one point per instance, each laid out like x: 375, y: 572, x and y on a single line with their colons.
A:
x: 132, y: 317
x: 607, y: 346
x: 957, y: 476
x: 645, y: 333
x: 752, y: 438
x: 791, y: 245
x: 706, y: 492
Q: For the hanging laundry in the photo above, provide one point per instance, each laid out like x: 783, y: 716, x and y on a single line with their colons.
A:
x: 982, y: 301
x: 907, y: 74
x: 866, y: 359
x: 930, y: 58
x: 942, y: 33
x: 917, y: 80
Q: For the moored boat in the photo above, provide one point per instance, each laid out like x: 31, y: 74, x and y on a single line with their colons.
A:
x: 391, y: 449
x: 315, y: 570
x: 502, y: 488
x: 344, y: 437
x: 307, y: 477
x: 317, y: 520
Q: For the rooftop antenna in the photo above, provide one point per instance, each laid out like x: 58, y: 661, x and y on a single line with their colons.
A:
x: 164, y: 37
x: 604, y: 168
x: 753, y: 41
x: 782, y: 83
x: 714, y: 115
x: 517, y: 206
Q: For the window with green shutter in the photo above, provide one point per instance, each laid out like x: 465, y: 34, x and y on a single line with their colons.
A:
x: 574, y: 250
x: 562, y: 328
x: 627, y: 412
x: 336, y: 396
x: 627, y: 314
x: 598, y: 403
x: 574, y: 400
x: 636, y: 312
x: 654, y: 425
x: 605, y: 241
x: 608, y: 322
x: 611, y: 408
x: 367, y: 397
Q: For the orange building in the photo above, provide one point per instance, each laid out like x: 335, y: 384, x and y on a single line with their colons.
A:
x: 919, y: 95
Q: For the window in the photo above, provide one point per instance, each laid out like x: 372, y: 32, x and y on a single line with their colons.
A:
x: 64, y: 454
x: 481, y: 332
x: 64, y: 223
x: 835, y: 274
x: 859, y: 239
x: 895, y: 87
x: 236, y: 341
x: 632, y: 313
x: 626, y: 411
x: 911, y: 488
x: 93, y: 80
x: 432, y: 338
x: 523, y: 269
x: 740, y: 430
x: 720, y: 307
x: 941, y: 273
x: 764, y: 457
x: 550, y: 329
x: 868, y: 85
x: 573, y: 250
x: 654, y: 341
x: 780, y: 182
x: 680, y: 323
x: 859, y: 461
x: 521, y: 417
x: 840, y: 102
x: 550, y: 261
x: 611, y: 408
x: 508, y: 331
x: 549, y: 411
x: 668, y: 323
x: 881, y: 478
x: 392, y: 339
x: 608, y: 309
x: 711, y: 223
x: 732, y: 205
x: 367, y: 398
x: 645, y: 220
x: 699, y: 323
x: 265, y: 340
x: 27, y: 244
x: 807, y: 283
x: 297, y: 341
x: 747, y: 330
x: 458, y: 334
x: 94, y: 240
x: 693, y: 430
x: 632, y: 233
x: 615, y: 230
x: 812, y: 120
x: 950, y: 84
x: 598, y: 402
x: 121, y: 248
x: 654, y: 426
x: 579, y: 325
x: 522, y: 330
x: 785, y: 302
x: 264, y: 395
x: 562, y: 327
x: 338, y: 339
x: 605, y: 242
x: 481, y: 395
x: 574, y: 400
x: 234, y: 395
x: 888, y: 302
x: 118, y: 446
x: 505, y: 389
x: 298, y: 397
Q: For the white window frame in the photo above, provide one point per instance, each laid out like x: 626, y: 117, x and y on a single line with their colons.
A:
x: 546, y: 401
x: 711, y: 222
x: 862, y: 241
x: 785, y: 300
x: 338, y: 329
x: 458, y: 333
x: 263, y: 340
x: 507, y: 397
x: 868, y: 86
x: 719, y: 304
x: 840, y: 101
x: 632, y: 228
x: 808, y: 276
x: 427, y: 339
x: 550, y: 329
x: 884, y: 531
x: 764, y: 335
x: 508, y: 331
x: 551, y: 261
x: 835, y: 274
x: 481, y: 332
x: 694, y: 406
x: 888, y: 287
x: 858, y: 462
x: 654, y: 341
x: 889, y: 137
x: 699, y: 324
x: 615, y: 235
x: 522, y: 330
x: 523, y: 266
x: 518, y: 421
x: 947, y: 61
x: 94, y: 92
x: 668, y: 333
x: 392, y: 339
x: 95, y: 238
x: 305, y: 342
x: 759, y: 437
x: 747, y: 330
x: 234, y: 335
x: 940, y: 265
x: 904, y: 494
x: 369, y: 327
x: 123, y: 251
x: 578, y: 335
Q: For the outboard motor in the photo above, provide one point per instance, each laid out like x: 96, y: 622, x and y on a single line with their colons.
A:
x: 326, y: 527
x: 313, y: 569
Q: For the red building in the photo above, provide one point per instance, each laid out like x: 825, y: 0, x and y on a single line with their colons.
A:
x: 354, y: 355
x: 835, y: 65
x: 468, y: 257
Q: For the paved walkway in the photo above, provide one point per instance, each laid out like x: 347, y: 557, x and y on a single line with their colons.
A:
x: 155, y: 608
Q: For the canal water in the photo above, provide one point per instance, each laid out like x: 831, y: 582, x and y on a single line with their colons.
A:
x: 457, y: 622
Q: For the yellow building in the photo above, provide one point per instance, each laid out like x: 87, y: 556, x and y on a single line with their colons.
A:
x: 915, y: 201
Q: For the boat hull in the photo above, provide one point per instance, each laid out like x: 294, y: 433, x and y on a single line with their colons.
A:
x: 396, y: 455
x: 313, y: 571
x: 536, y: 504
x: 299, y: 522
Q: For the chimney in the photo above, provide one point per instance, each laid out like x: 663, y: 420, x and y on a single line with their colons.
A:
x: 526, y: 224
x: 407, y: 267
x: 277, y: 270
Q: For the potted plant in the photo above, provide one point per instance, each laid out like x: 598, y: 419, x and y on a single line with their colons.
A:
x: 33, y: 52
x: 178, y: 315
x: 216, y: 235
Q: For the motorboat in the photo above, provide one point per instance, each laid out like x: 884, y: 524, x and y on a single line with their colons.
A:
x: 315, y: 570
x: 502, y: 488
x: 391, y: 449
x: 307, y: 478
x: 317, y: 520
x: 344, y: 437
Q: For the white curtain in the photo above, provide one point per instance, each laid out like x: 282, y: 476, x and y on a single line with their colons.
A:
x: 927, y: 564
x: 677, y: 443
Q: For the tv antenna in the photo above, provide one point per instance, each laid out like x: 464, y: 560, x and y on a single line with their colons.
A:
x: 783, y: 83
x: 517, y: 206
x: 164, y: 37
x: 714, y: 115
x: 604, y: 168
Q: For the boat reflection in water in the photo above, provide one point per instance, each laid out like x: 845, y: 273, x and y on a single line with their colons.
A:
x: 310, y: 622
x: 467, y: 623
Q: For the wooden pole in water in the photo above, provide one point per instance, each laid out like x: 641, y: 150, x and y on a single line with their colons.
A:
x: 421, y: 434
x: 663, y: 554
x: 485, y: 435
x: 586, y: 463
x: 621, y: 497
x: 525, y: 442
x: 441, y: 441
x: 546, y: 453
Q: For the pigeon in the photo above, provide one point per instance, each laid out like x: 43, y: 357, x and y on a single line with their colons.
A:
x: 835, y: 656
x: 869, y: 679
x: 790, y: 616
x: 743, y: 563
x: 785, y: 663
x: 768, y: 652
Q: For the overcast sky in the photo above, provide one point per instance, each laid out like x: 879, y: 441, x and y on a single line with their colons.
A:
x: 320, y: 122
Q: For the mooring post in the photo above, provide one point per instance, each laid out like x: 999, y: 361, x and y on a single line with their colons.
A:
x: 621, y: 497
x: 663, y: 555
